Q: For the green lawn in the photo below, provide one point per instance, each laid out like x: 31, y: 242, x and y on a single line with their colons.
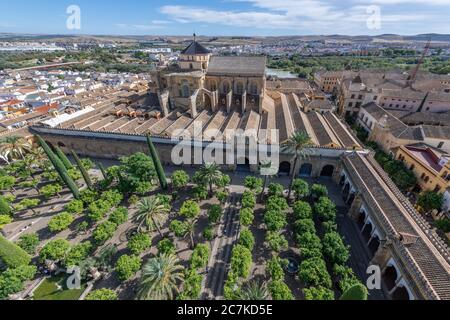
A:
x: 48, y: 290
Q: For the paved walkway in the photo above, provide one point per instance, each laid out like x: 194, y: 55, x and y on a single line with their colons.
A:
x: 29, y: 223
x: 212, y: 287
x: 359, y: 259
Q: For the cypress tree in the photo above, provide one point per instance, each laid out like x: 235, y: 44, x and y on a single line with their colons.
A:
x: 60, y: 168
x: 102, y: 169
x: 61, y: 155
x: 157, y: 162
x: 422, y: 104
x: 83, y: 170
x: 5, y: 209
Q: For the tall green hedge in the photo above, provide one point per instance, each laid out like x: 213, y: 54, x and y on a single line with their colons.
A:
x: 60, y: 168
x: 103, y: 170
x: 157, y: 162
x: 5, y: 209
x: 62, y: 156
x: 11, y: 255
x: 83, y: 170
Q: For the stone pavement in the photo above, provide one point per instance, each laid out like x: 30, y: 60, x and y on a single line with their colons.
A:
x: 212, y: 286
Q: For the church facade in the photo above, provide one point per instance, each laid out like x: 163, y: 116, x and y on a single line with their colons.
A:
x: 201, y: 81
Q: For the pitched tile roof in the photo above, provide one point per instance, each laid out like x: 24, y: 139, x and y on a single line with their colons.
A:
x: 195, y: 48
x: 245, y: 66
x: 400, y: 218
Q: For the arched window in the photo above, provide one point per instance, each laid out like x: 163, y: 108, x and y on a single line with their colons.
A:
x: 254, y: 88
x: 185, y: 89
x: 226, y: 87
x: 240, y: 88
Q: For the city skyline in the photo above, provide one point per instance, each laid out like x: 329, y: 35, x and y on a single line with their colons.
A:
x: 230, y: 17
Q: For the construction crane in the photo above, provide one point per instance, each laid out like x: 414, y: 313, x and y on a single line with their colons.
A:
x: 412, y: 77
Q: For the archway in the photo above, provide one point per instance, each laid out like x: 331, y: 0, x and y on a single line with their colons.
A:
x: 346, y: 191
x: 351, y: 198
x: 367, y: 231
x: 243, y: 167
x: 226, y: 87
x: 285, y: 168
x: 361, y: 219
x: 390, y: 277
x: 212, y: 85
x: 254, y: 88
x: 240, y: 88
x: 327, y: 171
x: 374, y: 244
x: 185, y: 91
x: 207, y: 101
x: 401, y: 293
x: 342, y: 181
x: 306, y: 170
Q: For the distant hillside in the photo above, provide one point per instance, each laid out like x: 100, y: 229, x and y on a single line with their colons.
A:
x: 219, y: 39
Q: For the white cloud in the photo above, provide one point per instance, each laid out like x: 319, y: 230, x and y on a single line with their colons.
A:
x: 159, y: 22
x: 304, y: 8
x: 152, y: 26
x: 413, y: 2
x: 301, y: 16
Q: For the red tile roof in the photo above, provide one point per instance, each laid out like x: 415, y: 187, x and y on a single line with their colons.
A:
x: 46, y: 108
x: 10, y: 102
x: 427, y: 156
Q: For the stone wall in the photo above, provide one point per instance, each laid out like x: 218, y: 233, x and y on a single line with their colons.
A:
x: 113, y: 146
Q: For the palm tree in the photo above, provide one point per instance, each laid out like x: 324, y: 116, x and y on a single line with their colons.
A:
x: 38, y: 155
x: 254, y: 290
x: 30, y: 162
x: 14, y: 147
x: 264, y: 166
x: 151, y: 210
x: 297, y: 144
x: 190, y: 229
x: 210, y: 175
x: 105, y: 257
x: 4, y: 157
x: 160, y: 278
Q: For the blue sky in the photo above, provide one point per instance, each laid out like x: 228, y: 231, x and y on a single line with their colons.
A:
x: 228, y: 17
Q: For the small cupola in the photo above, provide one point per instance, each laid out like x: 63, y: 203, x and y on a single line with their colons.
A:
x: 195, y: 56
